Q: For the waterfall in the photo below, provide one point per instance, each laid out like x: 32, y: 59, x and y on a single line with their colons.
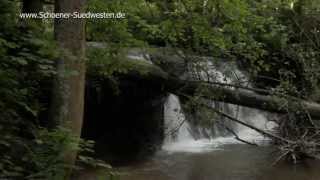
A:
x: 181, y: 135
x: 178, y: 136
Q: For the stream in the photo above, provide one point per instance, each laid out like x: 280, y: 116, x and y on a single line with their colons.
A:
x: 193, y: 151
x: 219, y: 157
x: 227, y: 162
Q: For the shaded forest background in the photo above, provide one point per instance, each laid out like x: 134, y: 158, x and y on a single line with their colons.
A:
x: 275, y: 42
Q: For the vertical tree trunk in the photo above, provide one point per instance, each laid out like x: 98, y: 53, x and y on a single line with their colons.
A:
x: 68, y: 92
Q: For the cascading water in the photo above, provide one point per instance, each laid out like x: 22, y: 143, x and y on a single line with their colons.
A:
x: 180, y: 134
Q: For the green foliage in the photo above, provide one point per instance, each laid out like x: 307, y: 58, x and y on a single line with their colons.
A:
x: 25, y: 64
x: 105, y: 61
x: 48, y: 158
x: 113, y: 31
x: 27, y: 56
x: 291, y: 44
x: 264, y: 37
x: 46, y: 155
x: 278, y: 39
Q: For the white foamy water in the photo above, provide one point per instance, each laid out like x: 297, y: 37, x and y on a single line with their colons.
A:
x: 200, y: 145
x: 183, y: 136
x: 179, y: 136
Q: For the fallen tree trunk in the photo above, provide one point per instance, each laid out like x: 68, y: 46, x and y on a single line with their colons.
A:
x: 218, y: 92
x: 238, y: 96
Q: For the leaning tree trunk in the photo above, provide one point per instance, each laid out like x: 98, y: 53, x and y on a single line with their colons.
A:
x: 68, y: 89
x: 219, y: 92
x: 240, y: 96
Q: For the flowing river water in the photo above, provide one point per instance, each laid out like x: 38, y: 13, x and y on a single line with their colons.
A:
x: 227, y: 162
x: 194, y: 152
x: 218, y: 158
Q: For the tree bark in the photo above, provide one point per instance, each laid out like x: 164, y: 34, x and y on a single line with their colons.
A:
x: 239, y: 96
x: 68, y: 90
x: 221, y: 92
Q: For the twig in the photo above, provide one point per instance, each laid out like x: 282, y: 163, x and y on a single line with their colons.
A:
x: 237, y: 136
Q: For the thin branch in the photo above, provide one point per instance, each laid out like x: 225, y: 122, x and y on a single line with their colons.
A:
x: 243, y: 123
x: 251, y: 127
x: 237, y: 136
